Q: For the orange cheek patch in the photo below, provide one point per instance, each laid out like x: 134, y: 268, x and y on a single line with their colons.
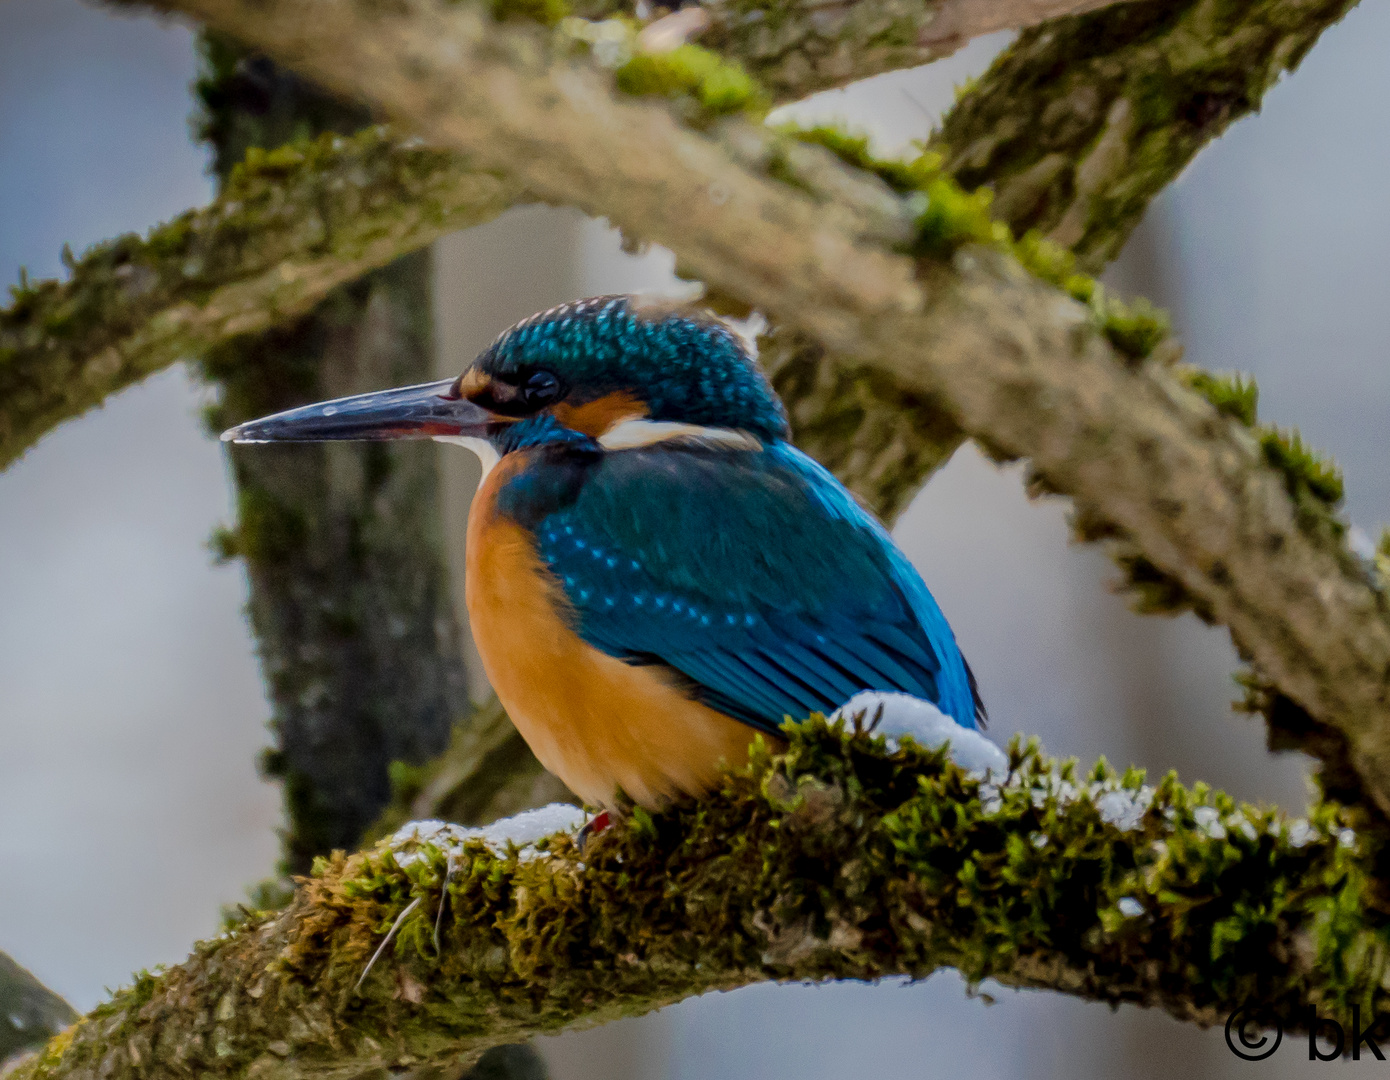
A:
x: 597, y: 416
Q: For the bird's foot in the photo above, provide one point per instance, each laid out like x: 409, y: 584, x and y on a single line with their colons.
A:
x: 595, y: 825
x: 899, y: 715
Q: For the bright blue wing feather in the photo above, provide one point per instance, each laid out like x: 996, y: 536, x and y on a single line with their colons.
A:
x: 755, y: 575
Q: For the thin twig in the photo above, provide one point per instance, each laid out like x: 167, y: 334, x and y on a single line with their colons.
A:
x: 387, y: 940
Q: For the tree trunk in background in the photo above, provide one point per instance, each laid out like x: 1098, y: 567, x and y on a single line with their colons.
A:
x: 343, y: 542
x: 350, y: 601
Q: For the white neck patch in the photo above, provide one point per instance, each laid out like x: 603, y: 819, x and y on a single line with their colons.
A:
x: 486, y: 453
x: 625, y: 435
x: 632, y: 433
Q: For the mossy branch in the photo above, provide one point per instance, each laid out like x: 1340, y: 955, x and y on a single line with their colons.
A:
x: 296, y: 222
x: 290, y: 226
x: 797, y: 48
x: 1074, y: 129
x: 1079, y: 124
x: 58, y: 357
x: 839, y: 859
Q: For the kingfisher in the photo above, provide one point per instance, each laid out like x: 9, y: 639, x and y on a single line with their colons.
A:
x: 656, y: 576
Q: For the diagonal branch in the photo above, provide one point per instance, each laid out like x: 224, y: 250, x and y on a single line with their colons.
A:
x: 1083, y: 121
x: 293, y: 225
x: 289, y: 227
x: 798, y: 48
x: 839, y: 859
x: 64, y: 347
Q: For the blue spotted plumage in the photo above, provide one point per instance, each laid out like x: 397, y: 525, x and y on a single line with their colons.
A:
x: 751, y: 572
x: 650, y: 505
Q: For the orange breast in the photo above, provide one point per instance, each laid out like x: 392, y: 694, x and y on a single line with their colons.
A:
x: 596, y: 722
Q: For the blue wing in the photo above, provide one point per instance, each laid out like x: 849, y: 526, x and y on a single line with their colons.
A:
x: 756, y: 576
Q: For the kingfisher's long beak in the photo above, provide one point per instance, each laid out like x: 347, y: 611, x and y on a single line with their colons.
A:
x: 411, y: 412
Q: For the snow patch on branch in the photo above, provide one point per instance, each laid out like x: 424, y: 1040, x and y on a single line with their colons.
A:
x: 900, y: 715
x: 522, y: 831
x: 1124, y: 808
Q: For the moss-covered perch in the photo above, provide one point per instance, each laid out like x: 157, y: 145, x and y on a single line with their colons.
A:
x: 840, y: 859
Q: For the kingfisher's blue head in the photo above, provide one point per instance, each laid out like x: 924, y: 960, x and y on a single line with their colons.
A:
x: 575, y: 372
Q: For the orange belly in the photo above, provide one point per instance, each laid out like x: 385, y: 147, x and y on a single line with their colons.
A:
x: 597, y: 723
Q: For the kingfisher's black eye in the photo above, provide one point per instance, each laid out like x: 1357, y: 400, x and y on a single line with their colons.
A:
x: 540, y: 388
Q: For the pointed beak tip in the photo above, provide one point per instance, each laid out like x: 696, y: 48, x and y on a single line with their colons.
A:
x: 240, y: 436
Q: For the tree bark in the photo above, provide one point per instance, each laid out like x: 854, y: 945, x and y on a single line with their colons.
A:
x: 1081, y: 122
x: 323, y: 215
x: 350, y: 600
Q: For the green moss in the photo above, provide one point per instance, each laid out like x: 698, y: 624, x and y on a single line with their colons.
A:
x: 1155, y: 592
x: 947, y: 217
x: 223, y: 545
x: 1135, y: 328
x: 718, y: 86
x: 903, y: 175
x: 835, y: 857
x: 1031, y: 868
x: 265, y: 896
x: 407, y: 780
x: 1381, y: 559
x: 1304, y: 469
x: 545, y: 12
x: 247, y: 103
x: 1054, y: 264
x: 1313, y: 481
x: 268, y: 531
x: 1234, y: 395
